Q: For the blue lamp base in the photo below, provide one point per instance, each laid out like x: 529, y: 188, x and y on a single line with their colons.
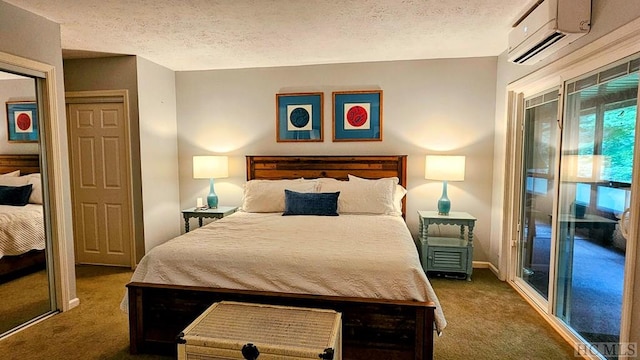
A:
x: 212, y: 198
x: 444, y: 204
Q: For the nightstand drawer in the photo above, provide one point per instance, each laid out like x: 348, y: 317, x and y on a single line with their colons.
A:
x: 447, y: 259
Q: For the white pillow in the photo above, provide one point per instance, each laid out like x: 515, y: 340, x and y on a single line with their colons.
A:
x: 13, y: 180
x: 394, y: 179
x: 263, y: 196
x: 398, y: 194
x: 36, y: 190
x: 12, y: 174
x: 361, y: 196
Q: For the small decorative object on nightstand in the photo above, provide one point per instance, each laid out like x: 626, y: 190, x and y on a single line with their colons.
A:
x: 201, y: 213
x: 447, y: 254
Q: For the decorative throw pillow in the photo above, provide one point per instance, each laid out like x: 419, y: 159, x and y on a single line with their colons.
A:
x: 264, y: 196
x: 321, y: 204
x: 15, y: 195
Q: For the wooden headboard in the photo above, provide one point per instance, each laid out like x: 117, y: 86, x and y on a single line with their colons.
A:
x: 338, y: 167
x: 27, y: 164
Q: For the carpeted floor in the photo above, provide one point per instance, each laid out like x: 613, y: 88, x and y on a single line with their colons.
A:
x: 487, y: 320
x: 23, y: 298
x: 595, y: 286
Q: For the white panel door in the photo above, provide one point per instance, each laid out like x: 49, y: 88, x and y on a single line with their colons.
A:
x: 101, y: 183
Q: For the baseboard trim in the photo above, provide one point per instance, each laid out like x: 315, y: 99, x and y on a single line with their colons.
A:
x: 73, y: 303
x: 487, y: 265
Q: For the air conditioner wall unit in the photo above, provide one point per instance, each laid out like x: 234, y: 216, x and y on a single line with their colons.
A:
x: 546, y: 27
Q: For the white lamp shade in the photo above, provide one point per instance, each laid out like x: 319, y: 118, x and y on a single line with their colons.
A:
x: 210, y: 167
x: 444, y: 167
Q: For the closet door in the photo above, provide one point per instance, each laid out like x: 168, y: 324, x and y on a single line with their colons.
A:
x: 101, y: 185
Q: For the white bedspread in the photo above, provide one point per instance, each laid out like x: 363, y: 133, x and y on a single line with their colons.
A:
x: 21, y: 229
x: 369, y: 256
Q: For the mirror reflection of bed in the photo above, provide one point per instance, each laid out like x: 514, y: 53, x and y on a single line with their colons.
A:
x: 24, y: 285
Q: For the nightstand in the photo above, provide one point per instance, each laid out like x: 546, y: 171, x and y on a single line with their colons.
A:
x: 447, y: 254
x: 217, y: 213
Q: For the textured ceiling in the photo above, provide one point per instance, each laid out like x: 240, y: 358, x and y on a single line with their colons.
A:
x: 226, y: 34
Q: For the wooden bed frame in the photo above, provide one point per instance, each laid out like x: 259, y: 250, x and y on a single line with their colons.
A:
x: 12, y: 266
x: 372, y: 328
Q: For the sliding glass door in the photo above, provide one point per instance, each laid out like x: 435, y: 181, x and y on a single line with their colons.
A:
x: 595, y: 191
x: 575, y: 196
x: 539, y: 164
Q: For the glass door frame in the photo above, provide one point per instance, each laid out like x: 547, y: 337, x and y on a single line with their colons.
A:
x: 551, y: 76
x: 545, y: 305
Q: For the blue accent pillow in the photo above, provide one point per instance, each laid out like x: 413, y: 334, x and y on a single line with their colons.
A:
x: 15, y: 195
x: 322, y: 204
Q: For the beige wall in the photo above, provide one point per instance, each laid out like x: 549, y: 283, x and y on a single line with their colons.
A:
x: 158, y: 152
x: 430, y: 106
x: 33, y: 37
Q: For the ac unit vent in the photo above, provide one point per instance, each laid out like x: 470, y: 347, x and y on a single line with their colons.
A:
x: 544, y: 44
x: 546, y: 27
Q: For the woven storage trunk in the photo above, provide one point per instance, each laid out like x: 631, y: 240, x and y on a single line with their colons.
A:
x: 278, y: 332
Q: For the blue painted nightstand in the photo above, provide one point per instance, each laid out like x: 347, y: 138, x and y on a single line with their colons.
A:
x: 201, y: 213
x: 447, y: 254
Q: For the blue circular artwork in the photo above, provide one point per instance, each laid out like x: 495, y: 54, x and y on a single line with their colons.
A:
x: 299, y: 117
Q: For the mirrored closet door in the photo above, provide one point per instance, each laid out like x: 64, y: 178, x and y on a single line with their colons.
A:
x: 26, y: 278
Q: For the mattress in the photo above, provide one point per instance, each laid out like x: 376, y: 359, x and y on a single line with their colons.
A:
x: 368, y: 256
x: 21, y: 229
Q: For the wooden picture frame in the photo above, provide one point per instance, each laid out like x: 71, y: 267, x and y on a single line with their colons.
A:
x: 357, y: 115
x: 22, y: 121
x: 299, y: 117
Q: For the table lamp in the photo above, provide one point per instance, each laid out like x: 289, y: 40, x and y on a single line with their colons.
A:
x: 445, y: 168
x: 210, y: 167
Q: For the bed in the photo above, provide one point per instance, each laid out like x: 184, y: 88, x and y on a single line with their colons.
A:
x: 380, y: 321
x: 22, y: 239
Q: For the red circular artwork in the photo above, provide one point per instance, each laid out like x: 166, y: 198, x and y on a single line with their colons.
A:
x: 357, y: 116
x: 23, y: 122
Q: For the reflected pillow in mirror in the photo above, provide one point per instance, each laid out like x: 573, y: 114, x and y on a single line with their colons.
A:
x: 15, y: 195
x: 12, y: 174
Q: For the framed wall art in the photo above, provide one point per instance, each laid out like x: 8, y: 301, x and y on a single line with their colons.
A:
x: 299, y: 117
x: 357, y: 115
x: 22, y: 121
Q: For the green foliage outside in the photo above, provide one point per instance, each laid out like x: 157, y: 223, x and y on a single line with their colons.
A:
x: 617, y: 141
